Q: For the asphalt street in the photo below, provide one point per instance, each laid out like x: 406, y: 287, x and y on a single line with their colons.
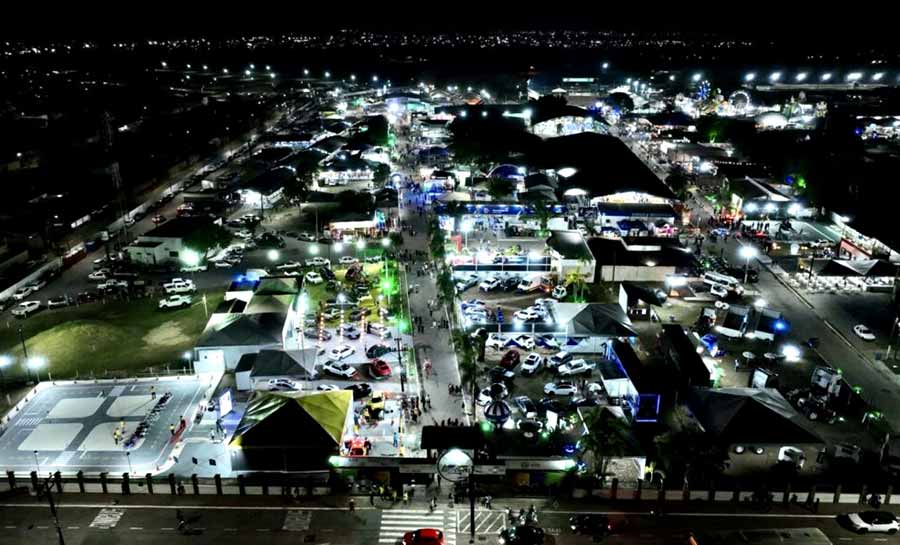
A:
x: 151, y: 522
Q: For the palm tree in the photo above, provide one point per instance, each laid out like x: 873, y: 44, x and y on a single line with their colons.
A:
x: 446, y: 287
x: 697, y: 452
x: 606, y: 439
x: 543, y: 211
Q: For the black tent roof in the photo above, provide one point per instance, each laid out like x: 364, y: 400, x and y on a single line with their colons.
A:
x: 858, y: 267
x: 750, y: 415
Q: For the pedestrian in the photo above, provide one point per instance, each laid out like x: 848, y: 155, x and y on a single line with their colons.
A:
x: 172, y: 429
x: 351, y: 505
x: 153, y: 392
x: 405, y: 497
x: 372, y: 498
x: 396, y: 440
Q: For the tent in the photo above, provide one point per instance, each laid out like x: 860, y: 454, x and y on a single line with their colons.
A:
x: 282, y: 420
x: 858, y: 267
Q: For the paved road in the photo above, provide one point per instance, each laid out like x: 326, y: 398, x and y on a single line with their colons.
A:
x: 107, y: 523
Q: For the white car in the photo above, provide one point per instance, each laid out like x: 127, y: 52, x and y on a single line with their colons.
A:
x: 25, y: 308
x: 484, y: 396
x: 339, y: 369
x: 718, y: 291
x: 861, y: 331
x: 560, y: 389
x: 489, y: 284
x: 495, y: 341
x: 575, y: 367
x: 175, y: 301
x: 873, y: 521
x: 99, y: 275
x: 112, y: 284
x: 559, y: 292
x: 223, y: 264
x: 58, y: 302
x: 532, y: 363
x: 341, y: 351
x: 476, y: 314
x: 281, y: 385
x: 244, y: 234
x: 525, y: 342
x: 178, y: 285
x: 529, y: 314
x: 290, y: 273
x: 23, y: 292
x: 290, y: 265
x: 348, y: 260
x: 318, y: 262
x: 473, y: 303
x: 192, y: 268
x: 312, y: 277
x: 327, y: 388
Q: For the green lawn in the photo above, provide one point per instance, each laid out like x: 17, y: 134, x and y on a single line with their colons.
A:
x: 100, y: 338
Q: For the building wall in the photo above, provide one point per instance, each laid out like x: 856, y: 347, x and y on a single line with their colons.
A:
x: 168, y: 251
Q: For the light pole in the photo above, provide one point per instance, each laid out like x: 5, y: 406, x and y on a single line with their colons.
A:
x: 37, y: 464
x: 5, y: 361
x: 748, y: 253
x: 22, y: 340
x: 35, y: 363
x: 128, y: 457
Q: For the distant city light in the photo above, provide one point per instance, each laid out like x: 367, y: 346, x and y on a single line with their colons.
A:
x: 801, y: 76
x: 247, y: 72
x: 252, y: 67
x: 750, y: 76
x: 327, y: 74
x: 164, y: 65
x: 826, y: 76
x: 697, y: 76
x: 306, y: 71
x: 205, y: 67
x: 775, y: 76
x: 671, y: 77
x: 352, y: 77
x: 878, y: 76
x: 853, y: 76
x: 374, y: 78
x: 605, y: 65
x: 224, y: 70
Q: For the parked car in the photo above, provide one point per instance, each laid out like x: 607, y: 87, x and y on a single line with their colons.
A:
x: 348, y: 260
x: 560, y: 388
x: 102, y: 274
x: 341, y: 351
x: 529, y: 314
x: 560, y: 358
x: 499, y: 374
x: 378, y: 350
x: 307, y: 237
x: 865, y: 522
x: 178, y: 285
x: 175, y: 301
x: 525, y: 342
x: 58, y: 302
x: 339, y: 369
x: 113, y: 284
x: 314, y: 333
x: 495, y: 341
x: 575, y: 367
x: 472, y: 304
x: 424, y: 536
x: 532, y: 364
x: 559, y: 292
x: 159, y: 218
x: 496, y: 389
x: 594, y: 524
x: 510, y: 360
x: 374, y: 258
x: 526, y: 405
x: 223, y: 264
x: 26, y: 308
x: 318, y: 262
x: 313, y: 277
x: 281, y: 385
x: 192, y: 268
x: 357, y: 313
x: 360, y: 391
x: 489, y: 284
x: 289, y: 265
x: 522, y: 535
x: 861, y: 331
x: 380, y: 370
x: 349, y: 331
x: 375, y: 328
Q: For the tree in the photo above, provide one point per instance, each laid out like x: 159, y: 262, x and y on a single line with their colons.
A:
x: 297, y: 190
x: 499, y: 188
x: 206, y: 238
x: 543, y: 211
x: 678, y: 181
x: 695, y: 452
x: 576, y: 285
x: 446, y: 287
x: 381, y: 173
x: 607, y: 438
x: 621, y: 101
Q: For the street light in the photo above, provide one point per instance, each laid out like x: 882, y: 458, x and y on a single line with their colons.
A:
x: 750, y: 76
x: 338, y: 247
x: 190, y: 258
x: 386, y: 242
x: 272, y: 255
x: 826, y: 76
x: 748, y: 253
x: 35, y: 363
x: 5, y: 361
x: 360, y: 244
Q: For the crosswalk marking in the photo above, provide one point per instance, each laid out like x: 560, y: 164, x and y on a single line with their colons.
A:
x: 28, y: 422
x: 486, y: 522
x: 395, y: 523
x: 296, y: 520
x: 107, y: 518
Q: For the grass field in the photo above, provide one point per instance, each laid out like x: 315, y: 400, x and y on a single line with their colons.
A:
x: 99, y: 338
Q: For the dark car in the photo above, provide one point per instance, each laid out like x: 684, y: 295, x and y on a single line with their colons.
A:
x: 499, y: 374
x: 510, y: 360
x: 377, y: 350
x: 360, y: 390
x: 522, y: 535
x: 509, y: 284
x: 738, y: 272
x: 327, y: 273
x: 559, y: 406
x: 526, y: 405
x: 596, y: 525
x: 314, y: 333
x: 355, y: 315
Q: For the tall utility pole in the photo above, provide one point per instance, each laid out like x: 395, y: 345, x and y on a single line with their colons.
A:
x: 108, y: 134
x: 47, y: 489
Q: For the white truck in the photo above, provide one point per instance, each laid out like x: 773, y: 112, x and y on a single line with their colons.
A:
x: 179, y: 285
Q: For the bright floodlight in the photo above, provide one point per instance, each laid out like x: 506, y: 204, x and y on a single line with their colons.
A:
x: 534, y: 255
x: 268, y: 67
x: 770, y: 207
x: 775, y: 76
x: 605, y: 65
x: 790, y: 352
x: 793, y: 209
x: 671, y: 77
x: 463, y: 113
x: 252, y: 67
x: 327, y: 74
x: 341, y: 298
x: 385, y: 242
x: 750, y: 76
x: 483, y: 114
x: 187, y: 355
x: 697, y: 76
x: 272, y: 255
x: 360, y: 244
x: 247, y: 72
x: 374, y: 78
x: 878, y: 76
x: 352, y: 77
x: 853, y: 76
x: 526, y: 112
x: 748, y: 252
x: 224, y: 70
x: 313, y: 250
x: 466, y: 226
x: 760, y: 303
x: 205, y: 67
x: 36, y: 362
x: 801, y: 76
x: 164, y: 64
x: 751, y: 207
x: 628, y: 80
x: 338, y: 247
x: 5, y: 361
x: 190, y: 258
x: 306, y: 71
x: 826, y: 76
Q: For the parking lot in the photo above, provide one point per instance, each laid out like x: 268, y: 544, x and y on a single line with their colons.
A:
x: 72, y: 426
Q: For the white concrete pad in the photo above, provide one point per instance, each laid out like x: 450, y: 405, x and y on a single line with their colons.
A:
x: 101, y: 437
x: 131, y: 406
x: 50, y: 437
x: 75, y: 407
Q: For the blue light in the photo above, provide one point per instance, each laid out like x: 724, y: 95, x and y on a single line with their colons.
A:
x: 569, y: 448
x: 780, y: 325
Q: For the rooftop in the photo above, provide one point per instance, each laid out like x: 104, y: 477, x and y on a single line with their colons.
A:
x: 179, y: 227
x: 569, y: 245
